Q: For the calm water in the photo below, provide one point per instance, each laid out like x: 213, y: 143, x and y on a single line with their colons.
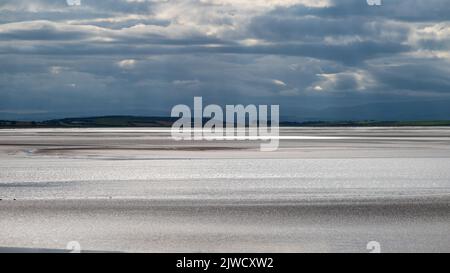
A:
x: 137, y: 190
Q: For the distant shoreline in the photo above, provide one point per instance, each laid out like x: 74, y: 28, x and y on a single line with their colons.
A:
x: 136, y: 121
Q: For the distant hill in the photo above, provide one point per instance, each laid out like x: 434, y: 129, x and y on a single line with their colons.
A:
x: 133, y: 121
x: 112, y: 121
x: 108, y: 121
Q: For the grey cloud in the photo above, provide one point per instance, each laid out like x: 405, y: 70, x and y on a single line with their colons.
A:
x: 404, y: 10
x: 416, y: 75
x: 279, y: 28
x: 44, y: 32
x: 373, y: 53
x: 352, y: 53
x: 128, y: 23
x: 118, y: 6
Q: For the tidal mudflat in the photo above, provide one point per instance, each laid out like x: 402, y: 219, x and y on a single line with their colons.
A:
x: 324, y: 190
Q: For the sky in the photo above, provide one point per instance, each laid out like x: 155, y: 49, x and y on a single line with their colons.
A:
x: 318, y: 60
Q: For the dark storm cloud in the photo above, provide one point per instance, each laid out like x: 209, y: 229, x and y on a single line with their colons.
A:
x: 141, y: 57
x: 350, y: 54
x: 43, y: 33
x: 129, y: 23
x: 432, y: 76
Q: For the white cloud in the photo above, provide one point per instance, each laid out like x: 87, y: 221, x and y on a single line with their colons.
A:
x: 186, y: 82
x: 358, y: 80
x: 55, y: 70
x: 318, y: 88
x: 127, y: 64
x: 267, y: 3
x: 279, y: 83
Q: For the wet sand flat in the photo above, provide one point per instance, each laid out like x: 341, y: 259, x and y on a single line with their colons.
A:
x: 143, y: 225
x: 138, y: 190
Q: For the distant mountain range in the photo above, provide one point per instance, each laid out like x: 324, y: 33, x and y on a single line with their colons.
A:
x: 398, y: 111
x: 135, y: 121
x: 417, y: 110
